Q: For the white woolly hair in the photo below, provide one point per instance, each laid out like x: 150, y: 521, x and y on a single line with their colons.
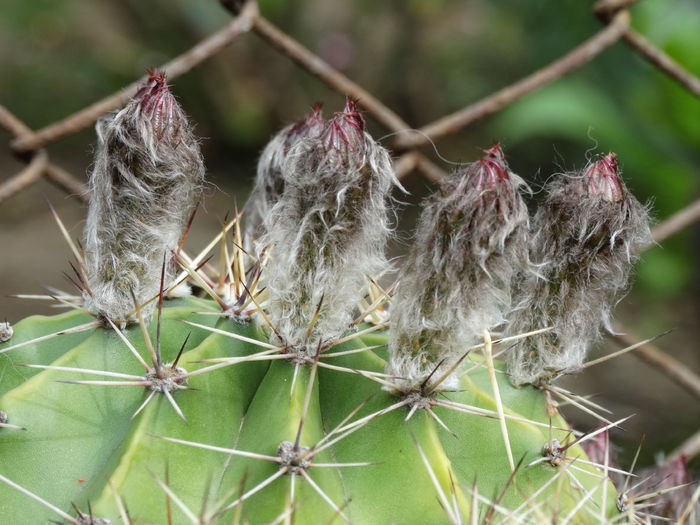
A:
x: 269, y: 180
x: 327, y: 231
x: 471, y: 239
x: 148, y: 172
x: 586, y: 237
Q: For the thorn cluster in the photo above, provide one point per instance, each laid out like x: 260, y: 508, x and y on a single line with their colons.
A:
x: 294, y: 458
x: 89, y: 519
x: 166, y: 378
x: 664, y: 493
x: 6, y: 332
x: 320, y: 203
x: 553, y: 452
x: 235, y: 289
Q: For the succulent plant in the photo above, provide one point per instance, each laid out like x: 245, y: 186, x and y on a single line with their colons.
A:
x: 280, y: 391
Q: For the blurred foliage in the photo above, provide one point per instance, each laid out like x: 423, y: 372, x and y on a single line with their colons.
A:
x: 424, y: 58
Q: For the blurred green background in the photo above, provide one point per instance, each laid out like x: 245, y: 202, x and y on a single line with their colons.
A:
x: 424, y: 58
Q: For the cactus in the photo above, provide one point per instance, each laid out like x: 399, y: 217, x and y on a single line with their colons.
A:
x: 281, y: 393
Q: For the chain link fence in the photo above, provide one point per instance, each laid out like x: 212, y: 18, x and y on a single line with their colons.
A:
x: 30, y: 145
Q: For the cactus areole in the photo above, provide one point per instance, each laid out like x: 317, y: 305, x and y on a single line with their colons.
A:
x: 279, y: 390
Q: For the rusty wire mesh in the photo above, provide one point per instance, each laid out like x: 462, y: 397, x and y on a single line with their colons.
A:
x: 29, y: 145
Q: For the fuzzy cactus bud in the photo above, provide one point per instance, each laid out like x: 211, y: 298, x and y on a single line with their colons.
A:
x: 586, y: 237
x: 148, y: 173
x: 269, y: 181
x: 327, y: 231
x: 471, y: 239
x: 6, y: 331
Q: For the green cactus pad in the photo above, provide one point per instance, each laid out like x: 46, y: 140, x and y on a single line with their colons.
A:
x: 82, y: 445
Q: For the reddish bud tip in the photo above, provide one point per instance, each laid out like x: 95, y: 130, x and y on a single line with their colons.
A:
x: 154, y: 87
x: 310, y: 125
x: 346, y: 128
x: 672, y: 483
x: 351, y: 114
x: 603, y: 178
x: 495, y: 151
x: 676, y: 471
x: 493, y: 168
x: 159, y: 106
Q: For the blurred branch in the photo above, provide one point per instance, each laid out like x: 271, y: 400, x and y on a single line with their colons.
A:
x: 414, y: 160
x: 613, y: 12
x: 405, y: 164
x: 662, y: 61
x: 607, y: 7
x: 25, y: 178
x: 677, y: 222
x: 38, y: 165
x: 429, y: 169
x: 67, y: 182
x: 343, y: 85
x: 497, y: 101
x: 605, y: 10
x: 688, y: 449
x: 662, y: 362
x: 173, y: 69
x: 12, y: 124
x: 318, y: 67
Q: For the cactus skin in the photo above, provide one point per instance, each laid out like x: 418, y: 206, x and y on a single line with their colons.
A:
x: 78, y: 436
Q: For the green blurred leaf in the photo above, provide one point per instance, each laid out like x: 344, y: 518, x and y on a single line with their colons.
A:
x: 664, y: 272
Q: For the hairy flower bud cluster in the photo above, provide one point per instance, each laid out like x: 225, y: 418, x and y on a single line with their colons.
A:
x: 586, y: 237
x: 472, y: 239
x: 327, y: 230
x: 147, y: 175
x: 269, y: 180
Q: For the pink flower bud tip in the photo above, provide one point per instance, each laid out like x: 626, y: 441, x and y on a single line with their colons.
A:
x: 345, y: 129
x: 310, y: 125
x: 159, y: 105
x: 493, y: 167
x: 603, y: 178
